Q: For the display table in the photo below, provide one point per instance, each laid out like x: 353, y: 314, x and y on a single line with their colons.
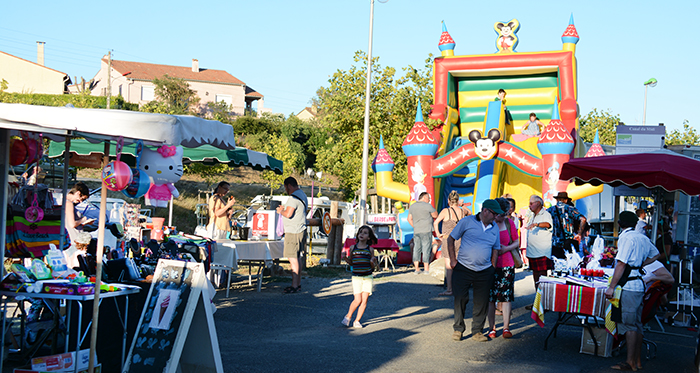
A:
x: 253, y: 253
x: 587, y: 305
x: 50, y: 299
x: 384, y: 248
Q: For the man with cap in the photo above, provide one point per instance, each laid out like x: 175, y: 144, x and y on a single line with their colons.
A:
x: 474, y: 266
x: 634, y: 250
x: 565, y: 218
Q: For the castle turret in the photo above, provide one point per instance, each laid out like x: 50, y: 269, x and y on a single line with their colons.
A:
x: 595, y: 150
x: 446, y: 45
x: 555, y: 144
x: 420, y: 147
x: 382, y: 162
x: 570, y: 36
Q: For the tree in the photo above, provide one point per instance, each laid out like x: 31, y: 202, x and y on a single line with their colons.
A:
x: 686, y: 137
x: 392, y: 114
x: 603, y: 121
x: 173, y: 96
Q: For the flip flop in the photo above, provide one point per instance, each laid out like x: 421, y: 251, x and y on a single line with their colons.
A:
x: 623, y: 366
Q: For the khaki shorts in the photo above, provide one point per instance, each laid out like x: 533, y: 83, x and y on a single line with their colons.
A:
x: 362, y: 284
x: 631, y: 306
x: 294, y: 243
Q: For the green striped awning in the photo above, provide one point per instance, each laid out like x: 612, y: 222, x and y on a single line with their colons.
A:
x: 205, y: 154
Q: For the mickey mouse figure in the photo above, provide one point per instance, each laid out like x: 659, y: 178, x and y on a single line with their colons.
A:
x: 507, y: 39
x: 485, y: 147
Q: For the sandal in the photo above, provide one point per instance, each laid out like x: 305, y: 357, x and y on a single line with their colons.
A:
x: 290, y: 289
x: 624, y: 367
x: 507, y: 333
x: 492, y: 334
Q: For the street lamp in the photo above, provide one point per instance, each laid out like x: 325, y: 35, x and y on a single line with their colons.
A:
x: 649, y: 83
x: 365, y: 140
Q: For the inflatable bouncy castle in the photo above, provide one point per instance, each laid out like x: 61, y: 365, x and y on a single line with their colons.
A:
x: 509, y: 121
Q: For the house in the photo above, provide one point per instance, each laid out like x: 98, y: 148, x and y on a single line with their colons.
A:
x: 308, y: 113
x: 132, y: 80
x: 24, y: 76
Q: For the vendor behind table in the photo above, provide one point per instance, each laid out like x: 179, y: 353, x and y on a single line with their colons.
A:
x: 220, y: 210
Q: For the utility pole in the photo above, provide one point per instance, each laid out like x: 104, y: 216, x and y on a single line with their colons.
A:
x: 109, y: 77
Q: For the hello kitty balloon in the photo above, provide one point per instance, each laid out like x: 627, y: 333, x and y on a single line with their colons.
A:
x: 164, y: 167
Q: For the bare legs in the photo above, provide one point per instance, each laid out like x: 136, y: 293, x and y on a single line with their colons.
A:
x: 634, y: 348
x: 359, y: 304
x: 296, y: 277
x: 506, y: 307
x: 426, y: 266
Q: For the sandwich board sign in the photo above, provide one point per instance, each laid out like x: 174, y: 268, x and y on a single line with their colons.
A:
x: 176, y: 331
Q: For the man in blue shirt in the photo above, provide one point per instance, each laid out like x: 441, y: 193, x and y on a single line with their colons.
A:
x: 564, y: 218
x: 474, y: 266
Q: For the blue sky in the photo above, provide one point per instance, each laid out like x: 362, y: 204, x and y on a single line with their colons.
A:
x: 286, y: 49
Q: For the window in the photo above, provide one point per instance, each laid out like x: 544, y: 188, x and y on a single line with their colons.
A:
x: 225, y: 98
x: 120, y: 90
x: 147, y: 93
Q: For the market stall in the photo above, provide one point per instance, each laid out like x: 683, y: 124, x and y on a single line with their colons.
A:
x: 64, y: 123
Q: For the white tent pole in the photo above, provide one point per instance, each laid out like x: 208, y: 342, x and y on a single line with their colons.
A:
x: 98, y: 259
x: 66, y: 158
x: 170, y: 212
x: 4, y: 176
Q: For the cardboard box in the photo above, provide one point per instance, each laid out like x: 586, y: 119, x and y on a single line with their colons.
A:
x: 62, y: 362
x: 602, y: 337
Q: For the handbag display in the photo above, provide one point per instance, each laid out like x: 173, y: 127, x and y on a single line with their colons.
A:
x: 517, y: 260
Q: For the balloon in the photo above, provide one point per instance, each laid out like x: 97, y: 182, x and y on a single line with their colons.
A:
x: 139, y: 184
x: 33, y: 147
x: 18, y: 152
x: 116, y: 175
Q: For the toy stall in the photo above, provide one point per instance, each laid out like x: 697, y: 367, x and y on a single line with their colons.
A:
x: 35, y: 236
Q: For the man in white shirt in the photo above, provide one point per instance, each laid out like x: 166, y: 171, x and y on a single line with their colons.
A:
x: 634, y: 250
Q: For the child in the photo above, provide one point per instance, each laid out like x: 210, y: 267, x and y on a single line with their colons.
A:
x: 502, y: 97
x: 532, y: 128
x: 361, y: 258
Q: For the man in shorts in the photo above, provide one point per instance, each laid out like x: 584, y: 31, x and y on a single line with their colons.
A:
x: 539, y: 241
x: 420, y: 216
x: 634, y: 250
x: 294, y: 220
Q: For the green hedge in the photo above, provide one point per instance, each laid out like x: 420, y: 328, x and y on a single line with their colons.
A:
x: 79, y: 100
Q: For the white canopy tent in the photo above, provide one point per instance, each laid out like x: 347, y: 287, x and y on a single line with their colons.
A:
x: 67, y: 122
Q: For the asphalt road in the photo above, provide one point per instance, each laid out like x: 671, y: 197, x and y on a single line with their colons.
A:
x: 408, y: 328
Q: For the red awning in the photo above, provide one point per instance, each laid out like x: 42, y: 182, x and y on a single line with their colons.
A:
x: 659, y: 169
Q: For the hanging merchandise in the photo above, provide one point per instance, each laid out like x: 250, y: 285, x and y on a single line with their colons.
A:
x: 140, y: 181
x: 33, y: 150
x: 18, y: 152
x: 34, y: 213
x: 164, y: 167
x: 116, y: 175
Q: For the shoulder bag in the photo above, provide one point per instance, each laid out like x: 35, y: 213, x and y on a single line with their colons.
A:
x: 517, y: 260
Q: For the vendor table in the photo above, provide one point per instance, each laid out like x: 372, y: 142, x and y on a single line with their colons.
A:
x: 254, y: 253
x: 384, y: 248
x: 78, y: 299
x: 584, y: 304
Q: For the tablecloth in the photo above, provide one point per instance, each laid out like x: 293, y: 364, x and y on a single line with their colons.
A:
x: 572, y: 299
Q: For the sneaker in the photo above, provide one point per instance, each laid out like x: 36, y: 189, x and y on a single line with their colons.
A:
x: 345, y: 321
x: 357, y: 325
x: 478, y: 337
x: 418, y: 272
x: 457, y: 335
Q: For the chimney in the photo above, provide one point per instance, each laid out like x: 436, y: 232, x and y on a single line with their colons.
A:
x: 40, y: 52
x: 195, y: 65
